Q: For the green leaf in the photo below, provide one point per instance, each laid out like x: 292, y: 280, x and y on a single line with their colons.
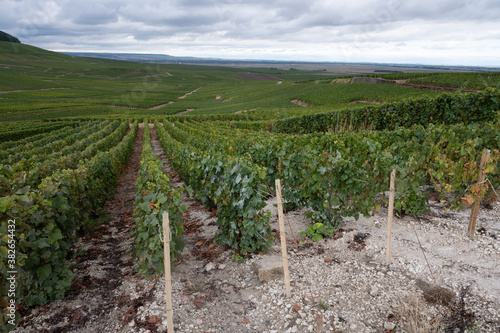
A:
x: 317, y: 237
x: 317, y: 225
x: 44, y: 272
x: 40, y: 244
x: 57, y: 235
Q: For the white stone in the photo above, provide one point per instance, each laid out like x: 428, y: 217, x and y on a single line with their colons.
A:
x: 210, y: 266
x: 269, y: 268
x: 374, y: 291
x: 389, y: 326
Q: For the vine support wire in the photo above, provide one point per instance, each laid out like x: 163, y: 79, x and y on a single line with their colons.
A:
x: 422, y: 249
x: 493, y: 188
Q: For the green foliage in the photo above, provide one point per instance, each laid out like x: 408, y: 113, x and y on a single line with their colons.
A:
x: 460, y: 80
x: 323, y: 305
x: 234, y: 185
x: 48, y: 216
x: 317, y: 232
x: 16, y: 131
x: 155, y: 195
x: 450, y: 108
x: 38, y: 85
x: 28, y: 164
x: 5, y: 37
x: 340, y: 175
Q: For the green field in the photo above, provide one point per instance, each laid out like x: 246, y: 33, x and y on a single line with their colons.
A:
x: 38, y: 85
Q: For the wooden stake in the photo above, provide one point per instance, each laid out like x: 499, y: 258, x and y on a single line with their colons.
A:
x: 475, y: 206
x: 390, y: 215
x: 168, y: 282
x: 283, y: 237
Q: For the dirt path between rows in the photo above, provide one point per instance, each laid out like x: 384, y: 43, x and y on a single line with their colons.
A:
x: 161, y: 105
x: 184, y: 112
x: 25, y: 90
x: 189, y: 93
x: 156, y: 107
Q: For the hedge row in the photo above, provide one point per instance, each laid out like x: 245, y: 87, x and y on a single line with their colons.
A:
x: 155, y: 195
x: 449, y: 108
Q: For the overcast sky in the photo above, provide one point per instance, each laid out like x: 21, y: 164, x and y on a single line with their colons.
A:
x: 451, y: 32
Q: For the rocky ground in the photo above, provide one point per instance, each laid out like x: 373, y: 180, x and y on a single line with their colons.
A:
x: 438, y: 279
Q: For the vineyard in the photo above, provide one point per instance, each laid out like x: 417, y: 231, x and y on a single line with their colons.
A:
x: 61, y: 161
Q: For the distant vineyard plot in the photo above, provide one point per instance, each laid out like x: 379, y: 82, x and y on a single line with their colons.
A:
x: 40, y: 85
x: 257, y: 76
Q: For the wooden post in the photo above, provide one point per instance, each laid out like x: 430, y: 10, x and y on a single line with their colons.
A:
x: 475, y: 206
x: 283, y: 237
x: 390, y: 215
x: 168, y: 282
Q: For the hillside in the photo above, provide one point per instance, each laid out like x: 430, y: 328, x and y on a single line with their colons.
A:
x: 23, y: 52
x: 37, y: 84
x: 5, y: 37
x: 90, y: 87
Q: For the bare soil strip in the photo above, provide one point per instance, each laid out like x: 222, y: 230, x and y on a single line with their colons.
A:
x: 160, y: 106
x: 245, y: 111
x: 20, y: 90
x: 299, y: 102
x: 183, y: 112
x: 340, y: 81
x: 365, y: 101
x: 189, y: 93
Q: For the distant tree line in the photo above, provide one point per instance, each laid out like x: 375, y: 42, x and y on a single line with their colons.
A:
x: 5, y: 37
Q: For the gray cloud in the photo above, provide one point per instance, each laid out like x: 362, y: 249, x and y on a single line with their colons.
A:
x: 91, y: 12
x: 260, y: 28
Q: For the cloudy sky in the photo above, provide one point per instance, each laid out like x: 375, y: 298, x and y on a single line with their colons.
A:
x: 450, y: 32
